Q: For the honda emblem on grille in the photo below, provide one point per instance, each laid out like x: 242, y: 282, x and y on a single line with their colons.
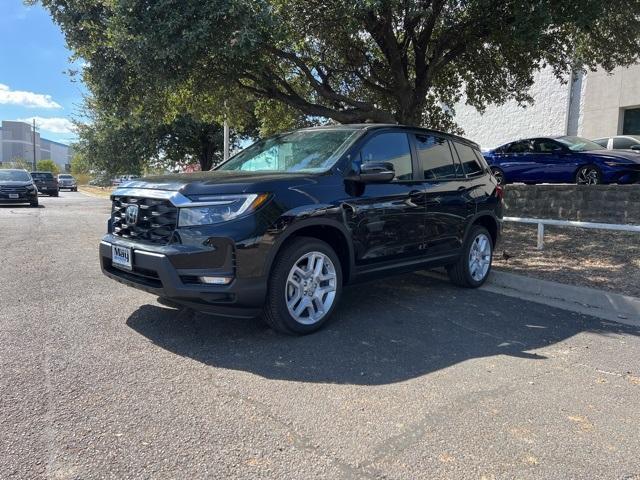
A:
x: 131, y: 214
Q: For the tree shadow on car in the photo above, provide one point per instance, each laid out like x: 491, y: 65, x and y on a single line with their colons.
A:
x: 383, y: 332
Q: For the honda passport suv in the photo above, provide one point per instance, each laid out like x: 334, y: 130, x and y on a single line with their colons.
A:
x: 280, y: 228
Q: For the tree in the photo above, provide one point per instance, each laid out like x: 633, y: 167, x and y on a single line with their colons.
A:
x: 80, y: 164
x: 405, y: 61
x: 48, y: 166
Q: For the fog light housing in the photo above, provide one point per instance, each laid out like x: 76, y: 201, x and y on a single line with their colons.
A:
x: 215, y: 280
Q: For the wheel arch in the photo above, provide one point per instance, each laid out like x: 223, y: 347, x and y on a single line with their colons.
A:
x: 488, y: 221
x: 327, y: 230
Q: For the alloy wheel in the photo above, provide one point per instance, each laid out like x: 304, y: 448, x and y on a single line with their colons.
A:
x: 311, y: 288
x: 480, y: 257
x: 588, y: 176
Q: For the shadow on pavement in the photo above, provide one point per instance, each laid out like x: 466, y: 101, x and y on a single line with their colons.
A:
x: 383, y: 332
x: 19, y: 205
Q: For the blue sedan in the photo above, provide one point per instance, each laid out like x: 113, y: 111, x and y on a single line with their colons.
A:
x: 562, y: 160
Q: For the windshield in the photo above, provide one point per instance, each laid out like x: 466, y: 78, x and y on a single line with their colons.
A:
x: 65, y: 176
x: 14, y: 176
x: 301, y: 151
x: 579, y: 144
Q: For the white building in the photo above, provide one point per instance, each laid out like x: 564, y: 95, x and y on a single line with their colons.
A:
x: 16, y: 143
x: 592, y: 105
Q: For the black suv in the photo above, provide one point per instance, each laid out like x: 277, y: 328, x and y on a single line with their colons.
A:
x: 16, y: 186
x: 46, y: 183
x: 282, y: 226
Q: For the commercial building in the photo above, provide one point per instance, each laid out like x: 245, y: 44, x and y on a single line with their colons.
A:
x: 17, y: 142
x: 591, y: 105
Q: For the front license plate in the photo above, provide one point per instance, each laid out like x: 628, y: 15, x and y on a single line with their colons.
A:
x: 121, y: 257
x: 14, y: 195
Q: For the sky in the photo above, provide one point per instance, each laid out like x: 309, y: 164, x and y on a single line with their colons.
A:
x: 33, y: 62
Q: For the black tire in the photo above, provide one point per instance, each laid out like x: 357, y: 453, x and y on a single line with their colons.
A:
x: 34, y: 203
x: 588, y: 175
x: 55, y: 194
x: 498, y: 175
x: 459, y: 272
x: 275, y: 313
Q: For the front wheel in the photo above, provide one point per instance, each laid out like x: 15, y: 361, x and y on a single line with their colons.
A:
x: 588, y: 175
x: 473, y: 267
x: 304, y: 287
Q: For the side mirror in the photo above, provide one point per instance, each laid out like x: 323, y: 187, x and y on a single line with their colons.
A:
x: 374, y: 172
x: 636, y: 147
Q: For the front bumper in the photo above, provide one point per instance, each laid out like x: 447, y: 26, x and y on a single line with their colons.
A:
x: 22, y: 197
x: 171, y: 271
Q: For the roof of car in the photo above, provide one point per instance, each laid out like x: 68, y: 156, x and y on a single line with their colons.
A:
x: 374, y: 126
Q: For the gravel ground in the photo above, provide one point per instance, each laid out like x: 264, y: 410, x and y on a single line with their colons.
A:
x: 591, y: 258
x: 414, y: 379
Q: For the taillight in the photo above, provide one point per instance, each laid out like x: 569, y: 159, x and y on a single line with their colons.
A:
x: 499, y: 192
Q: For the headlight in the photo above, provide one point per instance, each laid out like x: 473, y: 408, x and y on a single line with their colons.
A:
x: 219, y: 208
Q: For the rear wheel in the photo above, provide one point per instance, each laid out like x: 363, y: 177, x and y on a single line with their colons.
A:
x: 304, y: 287
x: 473, y: 267
x: 34, y: 203
x: 588, y: 175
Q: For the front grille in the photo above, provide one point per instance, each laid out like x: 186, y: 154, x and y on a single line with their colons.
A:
x: 12, y: 189
x: 157, y: 219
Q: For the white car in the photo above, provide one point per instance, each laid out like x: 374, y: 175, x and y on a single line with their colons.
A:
x: 620, y: 142
x: 66, y: 181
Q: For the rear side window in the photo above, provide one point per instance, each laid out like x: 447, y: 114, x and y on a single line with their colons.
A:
x: 435, y: 158
x: 523, y: 146
x: 602, y: 142
x: 623, y: 143
x: 468, y: 158
x: 393, y: 148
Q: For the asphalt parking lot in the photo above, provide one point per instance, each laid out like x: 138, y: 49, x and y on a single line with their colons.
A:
x: 414, y: 379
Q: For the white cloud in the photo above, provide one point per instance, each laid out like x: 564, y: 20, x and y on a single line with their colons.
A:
x: 25, y: 99
x: 52, y: 124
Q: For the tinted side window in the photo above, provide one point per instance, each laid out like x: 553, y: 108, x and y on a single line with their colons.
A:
x: 518, y: 147
x: 393, y: 148
x: 435, y: 158
x: 468, y: 159
x: 623, y: 143
x: 602, y: 142
x: 545, y: 146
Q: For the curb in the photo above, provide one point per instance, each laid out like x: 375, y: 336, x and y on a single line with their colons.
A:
x: 588, y: 301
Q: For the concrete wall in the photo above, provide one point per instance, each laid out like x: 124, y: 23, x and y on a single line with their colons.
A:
x: 587, y: 203
x: 606, y: 98
x: 549, y: 115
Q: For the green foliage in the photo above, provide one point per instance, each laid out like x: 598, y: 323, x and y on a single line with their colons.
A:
x: 295, y: 61
x: 47, y: 166
x: 80, y: 164
x: 20, y: 163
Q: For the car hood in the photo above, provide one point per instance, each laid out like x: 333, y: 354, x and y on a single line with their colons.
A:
x: 222, y: 182
x: 14, y: 183
x: 616, y: 155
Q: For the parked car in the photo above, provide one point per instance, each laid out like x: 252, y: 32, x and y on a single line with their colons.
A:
x: 620, y: 142
x: 282, y: 226
x: 123, y: 178
x: 46, y: 183
x: 67, y: 181
x: 17, y: 186
x: 563, y: 159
